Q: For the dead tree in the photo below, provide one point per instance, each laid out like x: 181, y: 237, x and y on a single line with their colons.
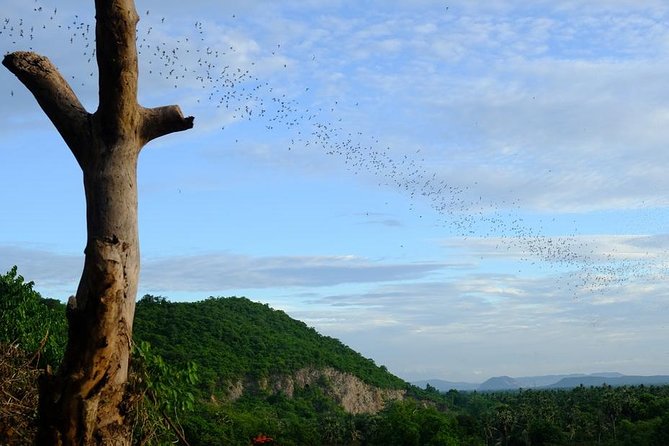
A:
x: 83, y: 403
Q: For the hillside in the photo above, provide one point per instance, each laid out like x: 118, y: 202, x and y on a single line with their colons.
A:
x: 235, y: 338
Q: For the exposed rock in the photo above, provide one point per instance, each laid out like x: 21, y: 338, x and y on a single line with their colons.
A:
x: 235, y: 390
x: 354, y: 395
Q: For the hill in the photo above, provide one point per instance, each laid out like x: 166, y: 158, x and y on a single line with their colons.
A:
x: 234, y: 338
x: 499, y: 383
x: 263, y: 372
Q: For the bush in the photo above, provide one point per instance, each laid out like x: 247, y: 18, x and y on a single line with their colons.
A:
x: 34, y: 324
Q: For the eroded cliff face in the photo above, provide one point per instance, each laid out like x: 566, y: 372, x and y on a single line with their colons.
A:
x: 354, y: 395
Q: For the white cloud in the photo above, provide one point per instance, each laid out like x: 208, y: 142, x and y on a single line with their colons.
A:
x: 439, y: 323
x: 225, y: 272
x: 56, y: 274
x: 217, y: 272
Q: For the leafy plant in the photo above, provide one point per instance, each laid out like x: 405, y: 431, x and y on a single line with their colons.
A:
x: 34, y: 324
x: 161, y: 394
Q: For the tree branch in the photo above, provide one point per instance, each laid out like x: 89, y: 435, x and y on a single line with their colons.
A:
x: 116, y: 50
x: 53, y: 94
x: 161, y: 121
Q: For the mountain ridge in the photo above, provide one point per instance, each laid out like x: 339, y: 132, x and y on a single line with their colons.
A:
x: 557, y: 381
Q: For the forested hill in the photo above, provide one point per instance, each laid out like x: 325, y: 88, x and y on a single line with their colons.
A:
x: 233, y: 338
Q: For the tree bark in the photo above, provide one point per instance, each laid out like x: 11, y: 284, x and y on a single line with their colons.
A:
x: 83, y: 403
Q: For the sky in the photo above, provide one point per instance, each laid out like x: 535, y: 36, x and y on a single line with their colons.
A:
x: 455, y: 189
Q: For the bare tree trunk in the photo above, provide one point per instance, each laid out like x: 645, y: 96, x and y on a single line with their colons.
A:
x: 83, y: 404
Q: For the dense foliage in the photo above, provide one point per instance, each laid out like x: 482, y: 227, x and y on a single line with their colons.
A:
x: 233, y: 337
x: 161, y: 394
x: 605, y: 415
x: 593, y: 416
x: 30, y: 322
x: 197, y: 347
x: 311, y: 418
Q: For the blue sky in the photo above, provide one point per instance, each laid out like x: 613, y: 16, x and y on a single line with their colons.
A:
x: 455, y: 189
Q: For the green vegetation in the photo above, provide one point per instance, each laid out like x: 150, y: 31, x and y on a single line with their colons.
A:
x: 32, y: 323
x: 162, y: 394
x: 603, y: 416
x: 230, y: 338
x: 187, y: 354
x: 312, y: 418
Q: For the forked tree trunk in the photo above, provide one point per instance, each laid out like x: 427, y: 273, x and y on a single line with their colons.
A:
x: 83, y: 403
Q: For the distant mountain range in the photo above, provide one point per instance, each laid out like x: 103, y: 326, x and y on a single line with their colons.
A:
x: 547, y: 382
